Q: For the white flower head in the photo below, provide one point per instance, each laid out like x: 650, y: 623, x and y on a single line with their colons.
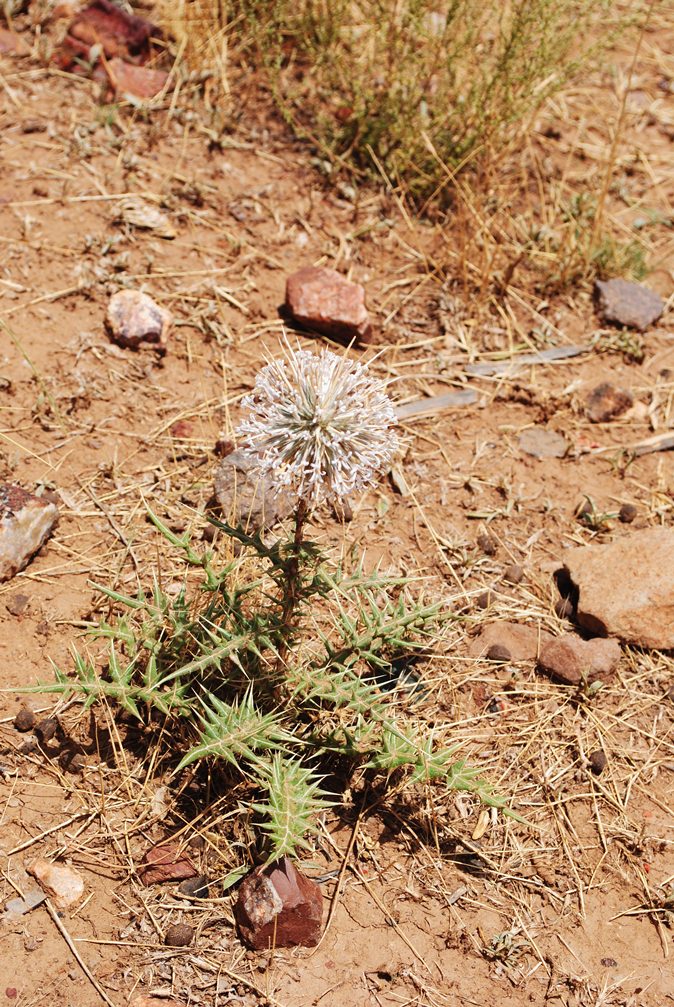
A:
x: 319, y: 425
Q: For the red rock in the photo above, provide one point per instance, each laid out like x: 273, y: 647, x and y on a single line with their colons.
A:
x: 165, y: 862
x: 323, y: 300
x: 625, y: 587
x: 117, y: 33
x: 625, y: 303
x: 606, y: 402
x: 279, y: 907
x: 12, y: 44
x: 26, y: 522
x: 522, y: 642
x: 138, y: 81
x: 571, y: 660
x: 134, y: 318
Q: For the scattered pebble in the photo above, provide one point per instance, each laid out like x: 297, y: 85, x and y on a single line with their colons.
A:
x: 26, y: 522
x: 24, y: 720
x: 133, y: 318
x: 12, y: 44
x: 138, y: 81
x: 137, y: 212
x: 606, y: 402
x: 104, y: 28
x: 487, y: 544
x: 195, y: 887
x: 17, y: 604
x: 520, y: 640
x: 571, y: 660
x: 628, y: 512
x: 539, y: 442
x: 179, y: 935
x: 279, y: 907
x: 598, y: 762
x: 623, y: 302
x: 484, y: 600
x: 497, y: 652
x: 165, y: 862
x: 62, y: 884
x: 322, y: 300
x: 47, y: 728
x: 513, y: 574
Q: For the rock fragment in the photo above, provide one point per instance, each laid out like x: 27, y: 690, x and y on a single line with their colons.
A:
x: 539, y: 442
x: 245, y: 497
x: 133, y: 318
x: 165, y: 862
x: 622, y: 302
x: 627, y: 513
x: 625, y: 588
x: 137, y: 212
x: 26, y: 522
x: 322, y: 300
x: 24, y: 720
x: 179, y: 935
x: 61, y: 883
x: 606, y: 403
x: 105, y: 27
x: 521, y: 641
x: 12, y: 44
x: 279, y: 907
x: 571, y: 660
x: 138, y: 81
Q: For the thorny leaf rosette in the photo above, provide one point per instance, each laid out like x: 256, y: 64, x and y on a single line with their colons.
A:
x: 320, y: 426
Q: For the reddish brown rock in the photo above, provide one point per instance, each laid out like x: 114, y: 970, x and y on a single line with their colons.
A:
x: 323, y: 300
x: 105, y: 26
x: 137, y: 81
x: 279, y: 907
x: 625, y: 303
x: 26, y: 522
x: 134, y: 318
x: 522, y: 642
x: 571, y: 660
x: 626, y: 587
x: 12, y: 44
x: 606, y: 403
x: 166, y: 862
x: 179, y: 935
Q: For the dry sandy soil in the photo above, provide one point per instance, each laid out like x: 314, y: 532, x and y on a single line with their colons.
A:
x: 569, y: 911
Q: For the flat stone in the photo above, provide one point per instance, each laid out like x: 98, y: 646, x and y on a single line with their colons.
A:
x: 137, y: 81
x: 323, y: 300
x: 606, y: 403
x: 521, y: 641
x: 165, y: 862
x: 279, y: 907
x: 543, y: 443
x: 626, y: 587
x: 133, y: 318
x: 26, y: 522
x: 571, y: 660
x: 62, y: 884
x: 623, y: 302
x: 245, y: 498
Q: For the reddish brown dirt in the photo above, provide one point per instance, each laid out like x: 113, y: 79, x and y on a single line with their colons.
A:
x: 416, y: 922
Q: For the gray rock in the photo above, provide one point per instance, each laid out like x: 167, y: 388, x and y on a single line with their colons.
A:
x: 521, y: 641
x: 622, y: 302
x: 26, y: 522
x: 543, y: 443
x: 246, y: 498
x: 626, y: 587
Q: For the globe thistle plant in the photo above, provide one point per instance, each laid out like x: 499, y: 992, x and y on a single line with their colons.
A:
x: 319, y: 426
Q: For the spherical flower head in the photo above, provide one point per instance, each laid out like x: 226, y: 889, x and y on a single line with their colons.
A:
x: 319, y: 426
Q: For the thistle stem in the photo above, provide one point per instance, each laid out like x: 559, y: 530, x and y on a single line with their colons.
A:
x: 292, y: 582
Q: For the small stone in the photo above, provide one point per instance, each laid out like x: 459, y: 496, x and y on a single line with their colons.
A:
x: 133, y: 318
x: 626, y: 587
x: 278, y: 907
x: 246, y: 498
x: 138, y: 81
x: 26, y: 522
x: 484, y: 600
x: 62, y: 884
x: 150, y: 1001
x: 513, y: 574
x: 47, y: 728
x: 497, y: 652
x: 622, y: 302
x: 179, y: 935
x: 165, y: 862
x: 606, y: 402
x: 627, y: 513
x: 487, y: 544
x: 195, y: 888
x: 521, y: 641
x: 24, y: 720
x: 609, y: 963
x: 571, y: 660
x: 12, y: 44
x: 543, y: 443
x: 138, y: 212
x: 17, y: 604
x: 103, y: 25
x: 598, y: 762
x: 322, y: 300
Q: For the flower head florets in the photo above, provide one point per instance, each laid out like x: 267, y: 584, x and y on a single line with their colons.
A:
x: 319, y: 425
